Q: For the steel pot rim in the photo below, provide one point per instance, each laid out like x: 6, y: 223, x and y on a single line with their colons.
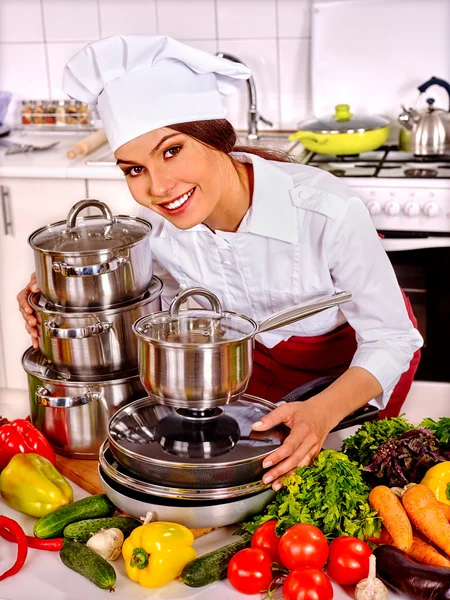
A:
x: 146, y: 487
x: 136, y: 404
x: 72, y: 311
x: 78, y: 253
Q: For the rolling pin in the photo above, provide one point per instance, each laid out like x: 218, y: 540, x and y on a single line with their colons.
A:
x: 88, y: 144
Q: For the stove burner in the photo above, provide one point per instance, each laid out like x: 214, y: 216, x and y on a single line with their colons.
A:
x: 420, y: 172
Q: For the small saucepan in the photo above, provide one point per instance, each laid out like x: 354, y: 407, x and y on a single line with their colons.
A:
x: 200, y: 359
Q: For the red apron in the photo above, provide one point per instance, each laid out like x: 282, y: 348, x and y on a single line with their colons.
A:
x: 299, y: 360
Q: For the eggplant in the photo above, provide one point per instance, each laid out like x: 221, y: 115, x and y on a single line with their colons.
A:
x: 410, y: 578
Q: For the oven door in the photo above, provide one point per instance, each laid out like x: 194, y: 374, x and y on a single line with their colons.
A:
x: 422, y: 266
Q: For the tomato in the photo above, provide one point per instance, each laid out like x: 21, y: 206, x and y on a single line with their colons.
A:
x: 349, y: 560
x: 307, y: 583
x: 267, y: 540
x: 249, y: 571
x: 303, y: 545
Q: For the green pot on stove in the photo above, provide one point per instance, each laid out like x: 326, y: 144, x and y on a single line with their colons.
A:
x: 343, y: 133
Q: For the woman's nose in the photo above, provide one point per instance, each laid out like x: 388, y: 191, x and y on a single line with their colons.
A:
x: 160, y: 183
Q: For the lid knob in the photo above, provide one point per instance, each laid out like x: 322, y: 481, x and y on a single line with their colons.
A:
x: 342, y: 113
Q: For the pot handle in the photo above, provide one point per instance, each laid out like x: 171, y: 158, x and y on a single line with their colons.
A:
x: 44, y: 399
x: 174, y: 307
x: 99, y: 269
x: 81, y: 205
x: 302, y: 311
x: 61, y: 333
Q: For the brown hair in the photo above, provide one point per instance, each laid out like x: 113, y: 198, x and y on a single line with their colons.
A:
x: 220, y: 134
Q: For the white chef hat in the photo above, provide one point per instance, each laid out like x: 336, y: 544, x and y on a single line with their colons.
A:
x: 139, y: 83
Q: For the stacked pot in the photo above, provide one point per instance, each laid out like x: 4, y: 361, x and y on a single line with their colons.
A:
x: 96, y: 279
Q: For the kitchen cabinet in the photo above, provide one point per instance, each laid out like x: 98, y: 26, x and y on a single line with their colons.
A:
x: 27, y: 205
x: 114, y: 193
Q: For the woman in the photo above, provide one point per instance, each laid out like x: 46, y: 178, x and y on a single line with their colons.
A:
x: 260, y: 232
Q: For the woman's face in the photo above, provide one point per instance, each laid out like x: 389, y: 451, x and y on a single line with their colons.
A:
x: 174, y: 175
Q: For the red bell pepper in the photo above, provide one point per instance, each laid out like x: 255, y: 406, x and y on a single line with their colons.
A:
x: 21, y: 437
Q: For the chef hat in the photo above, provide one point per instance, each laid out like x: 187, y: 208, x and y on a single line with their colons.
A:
x: 139, y: 83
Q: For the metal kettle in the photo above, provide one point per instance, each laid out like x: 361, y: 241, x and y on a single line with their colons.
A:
x: 426, y: 133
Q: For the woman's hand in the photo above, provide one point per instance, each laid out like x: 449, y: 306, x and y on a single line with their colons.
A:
x: 309, y: 427
x: 27, y: 311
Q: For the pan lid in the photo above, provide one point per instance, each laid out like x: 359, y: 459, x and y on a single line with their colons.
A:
x: 91, y: 233
x: 343, y: 121
x: 152, y: 433
x: 194, y: 326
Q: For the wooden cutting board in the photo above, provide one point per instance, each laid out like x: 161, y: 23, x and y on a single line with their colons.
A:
x: 85, y: 474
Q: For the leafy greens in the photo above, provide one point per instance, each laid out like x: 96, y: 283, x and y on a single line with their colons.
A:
x: 361, y: 446
x: 440, y: 428
x: 330, y: 494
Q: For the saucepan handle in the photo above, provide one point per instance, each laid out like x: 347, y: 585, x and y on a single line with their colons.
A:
x: 302, y: 311
x: 357, y: 417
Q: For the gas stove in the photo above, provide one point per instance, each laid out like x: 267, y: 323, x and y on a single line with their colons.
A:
x: 406, y: 195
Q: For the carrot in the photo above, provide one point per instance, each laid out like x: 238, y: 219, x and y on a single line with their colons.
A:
x: 425, y: 553
x: 384, y: 538
x: 425, y: 512
x: 385, y: 502
x: 446, y: 509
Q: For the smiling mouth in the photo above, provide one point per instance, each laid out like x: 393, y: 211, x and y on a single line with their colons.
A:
x: 173, y: 204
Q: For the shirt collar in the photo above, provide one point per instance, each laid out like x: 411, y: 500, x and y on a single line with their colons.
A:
x: 272, y: 213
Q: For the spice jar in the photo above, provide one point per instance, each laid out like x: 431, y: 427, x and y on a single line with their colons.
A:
x: 38, y: 112
x: 72, y: 113
x: 83, y: 113
x: 49, y: 113
x: 60, y: 114
x: 26, y: 112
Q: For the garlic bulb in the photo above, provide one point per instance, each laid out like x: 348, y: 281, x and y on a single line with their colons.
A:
x: 107, y: 543
x: 371, y: 588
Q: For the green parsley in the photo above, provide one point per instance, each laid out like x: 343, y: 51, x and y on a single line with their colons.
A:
x: 440, y: 428
x: 330, y: 494
x: 365, y: 442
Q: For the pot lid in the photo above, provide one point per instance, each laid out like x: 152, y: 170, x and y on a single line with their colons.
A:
x: 343, y: 121
x: 119, y: 474
x: 36, y: 365
x: 194, y: 326
x: 91, y: 233
x: 154, y: 433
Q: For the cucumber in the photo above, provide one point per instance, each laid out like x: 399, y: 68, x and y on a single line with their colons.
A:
x: 92, y: 507
x: 86, y: 562
x: 212, y: 566
x: 81, y: 531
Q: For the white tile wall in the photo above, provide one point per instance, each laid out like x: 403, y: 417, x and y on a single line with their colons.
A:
x: 37, y: 37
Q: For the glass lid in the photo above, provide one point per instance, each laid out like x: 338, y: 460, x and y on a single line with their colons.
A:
x: 343, y: 121
x: 186, y: 437
x: 194, y: 326
x: 91, y: 233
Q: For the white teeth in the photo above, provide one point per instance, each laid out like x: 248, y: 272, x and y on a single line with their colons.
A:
x: 179, y: 201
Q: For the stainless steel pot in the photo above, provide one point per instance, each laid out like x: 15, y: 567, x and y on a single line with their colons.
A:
x: 191, y: 513
x: 94, y: 343
x: 73, y: 413
x: 95, y: 261
x: 199, y: 359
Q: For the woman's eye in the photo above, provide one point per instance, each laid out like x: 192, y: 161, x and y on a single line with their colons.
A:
x: 172, y: 151
x: 133, y: 171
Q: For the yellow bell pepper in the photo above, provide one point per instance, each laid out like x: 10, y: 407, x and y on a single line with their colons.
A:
x: 156, y: 553
x: 438, y: 480
x: 32, y: 485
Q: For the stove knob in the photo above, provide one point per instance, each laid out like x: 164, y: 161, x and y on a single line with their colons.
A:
x: 373, y: 207
x: 392, y: 208
x: 431, y: 209
x: 411, y: 209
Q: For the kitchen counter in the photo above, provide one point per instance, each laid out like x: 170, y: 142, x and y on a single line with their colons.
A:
x: 49, y: 579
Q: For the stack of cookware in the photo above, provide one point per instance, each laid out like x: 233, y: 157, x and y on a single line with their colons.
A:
x: 95, y: 274
x: 188, y: 453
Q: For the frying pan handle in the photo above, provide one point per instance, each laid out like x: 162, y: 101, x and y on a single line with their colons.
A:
x: 302, y: 393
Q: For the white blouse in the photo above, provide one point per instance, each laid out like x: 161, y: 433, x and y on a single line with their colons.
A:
x: 304, y: 237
